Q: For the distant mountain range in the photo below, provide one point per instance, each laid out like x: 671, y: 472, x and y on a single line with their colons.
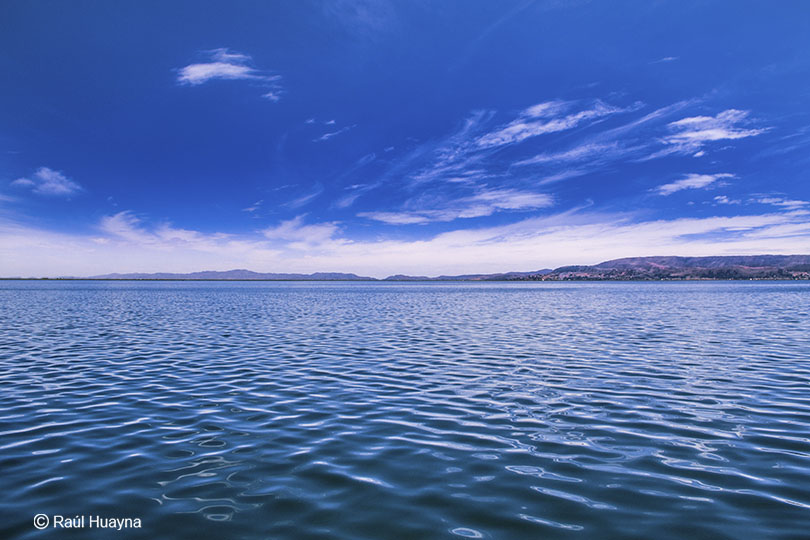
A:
x: 240, y: 275
x: 634, y: 268
x: 245, y: 275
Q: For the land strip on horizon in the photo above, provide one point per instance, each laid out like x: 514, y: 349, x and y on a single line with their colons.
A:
x: 742, y: 267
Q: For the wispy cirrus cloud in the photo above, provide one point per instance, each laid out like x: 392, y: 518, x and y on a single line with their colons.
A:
x: 789, y: 204
x: 464, y: 174
x: 586, y: 151
x: 645, y: 139
x: 306, y: 198
x: 691, y: 181
x: 222, y: 64
x: 355, y: 191
x: 691, y: 133
x: 545, y: 118
x: 253, y: 207
x: 273, y: 95
x: 472, y: 150
x: 483, y: 203
x: 632, y: 140
x: 329, y: 135
x: 125, y: 225
x: 46, y: 181
x: 486, y: 152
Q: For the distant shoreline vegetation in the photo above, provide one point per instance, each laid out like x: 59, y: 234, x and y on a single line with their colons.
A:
x: 722, y: 268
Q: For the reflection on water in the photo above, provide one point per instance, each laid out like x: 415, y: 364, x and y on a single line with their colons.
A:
x: 383, y: 410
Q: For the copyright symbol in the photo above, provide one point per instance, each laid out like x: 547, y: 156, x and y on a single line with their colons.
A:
x: 41, y: 521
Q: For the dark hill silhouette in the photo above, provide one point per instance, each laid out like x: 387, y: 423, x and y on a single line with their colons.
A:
x: 240, y: 275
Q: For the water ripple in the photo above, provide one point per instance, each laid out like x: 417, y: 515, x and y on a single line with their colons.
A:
x: 381, y: 410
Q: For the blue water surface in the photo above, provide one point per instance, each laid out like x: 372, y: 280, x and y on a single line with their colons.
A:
x: 406, y: 410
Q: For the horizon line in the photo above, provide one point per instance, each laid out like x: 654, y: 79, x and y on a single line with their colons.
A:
x: 351, y: 276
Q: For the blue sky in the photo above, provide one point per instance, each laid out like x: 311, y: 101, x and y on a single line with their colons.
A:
x: 399, y: 137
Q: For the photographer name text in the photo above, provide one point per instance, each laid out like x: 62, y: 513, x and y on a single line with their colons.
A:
x: 57, y: 521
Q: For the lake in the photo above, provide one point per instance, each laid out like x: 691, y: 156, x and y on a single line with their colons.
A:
x: 406, y: 410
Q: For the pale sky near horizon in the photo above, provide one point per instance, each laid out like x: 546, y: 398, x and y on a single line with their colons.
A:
x: 382, y: 137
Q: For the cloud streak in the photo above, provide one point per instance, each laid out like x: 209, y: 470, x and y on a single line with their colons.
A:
x: 544, y: 118
x: 484, y: 203
x: 46, y: 181
x: 223, y: 64
x: 691, y: 133
x: 327, y: 136
x: 691, y: 181
x: 790, y: 204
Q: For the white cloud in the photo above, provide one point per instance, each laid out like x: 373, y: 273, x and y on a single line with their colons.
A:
x: 404, y: 218
x: 722, y: 199
x: 689, y: 134
x: 563, y: 175
x: 789, y: 204
x: 224, y: 55
x: 195, y: 74
x: 327, y: 136
x: 541, y: 119
x: 622, y: 142
x: 637, y: 140
x: 471, y: 157
x: 510, y: 199
x: 471, y: 154
x: 691, y: 181
x: 46, y: 181
x: 253, y: 207
x: 124, y: 244
x: 298, y: 202
x: 483, y: 203
x: 300, y: 235
x: 546, y: 109
x: 126, y: 226
x: 578, y: 153
x: 226, y: 65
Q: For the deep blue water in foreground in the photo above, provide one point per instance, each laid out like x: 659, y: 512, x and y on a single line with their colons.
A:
x: 419, y: 410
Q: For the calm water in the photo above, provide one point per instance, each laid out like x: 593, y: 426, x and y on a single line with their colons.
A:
x: 357, y: 410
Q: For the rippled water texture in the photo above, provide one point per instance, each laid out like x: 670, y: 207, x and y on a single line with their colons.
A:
x: 384, y: 410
